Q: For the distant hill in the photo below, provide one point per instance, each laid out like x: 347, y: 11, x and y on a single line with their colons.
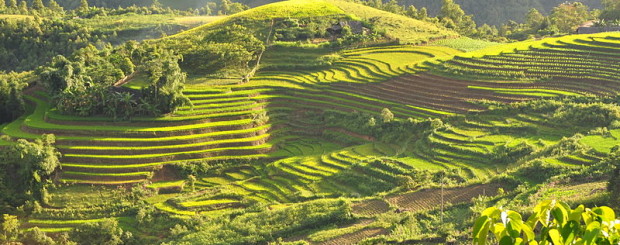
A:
x: 397, y: 27
x: 496, y: 12
x: 176, y: 4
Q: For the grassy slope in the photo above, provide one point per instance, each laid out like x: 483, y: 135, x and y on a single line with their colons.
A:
x: 291, y: 9
x: 311, y: 168
x: 405, y: 30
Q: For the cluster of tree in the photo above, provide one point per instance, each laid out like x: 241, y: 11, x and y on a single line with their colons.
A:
x: 84, y: 84
x: 30, y: 42
x: 36, y: 8
x: 25, y: 169
x: 103, y: 232
x: 611, y: 11
x: 209, y: 7
x: 221, y: 7
x: 496, y: 13
x: 230, y: 50
x: 11, y: 101
x: 564, y: 19
x: 84, y: 9
x: 263, y: 226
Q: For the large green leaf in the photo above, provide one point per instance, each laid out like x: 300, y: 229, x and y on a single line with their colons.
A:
x: 605, y: 213
x: 555, y: 236
x: 592, y: 232
x: 569, y: 231
x: 481, y: 230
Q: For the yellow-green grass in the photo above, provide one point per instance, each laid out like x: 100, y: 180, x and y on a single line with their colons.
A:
x: 361, y: 66
x: 36, y: 120
x: 15, y: 17
x: 102, y: 182
x: 466, y: 44
x: 163, y: 206
x: 57, y: 222
x: 147, y: 156
x: 131, y: 21
x: 532, y: 60
x: 177, y: 146
x: 601, y: 143
x: 526, y: 91
x: 164, y: 184
x: 192, y: 204
x: 151, y: 164
x: 135, y: 174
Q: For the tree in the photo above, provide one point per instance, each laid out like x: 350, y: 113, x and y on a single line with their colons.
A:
x: 23, y: 7
x: 451, y: 10
x: 387, y: 115
x: 83, y: 6
x: 13, y: 6
x: 2, y: 5
x: 412, y: 12
x: 37, y: 237
x: 106, y: 232
x: 30, y: 165
x: 166, y: 81
x: 567, y: 16
x: 55, y: 7
x: 611, y: 10
x: 38, y: 5
x: 224, y: 7
x: 423, y: 14
x: 9, y: 229
x: 464, y: 24
x: 534, y: 19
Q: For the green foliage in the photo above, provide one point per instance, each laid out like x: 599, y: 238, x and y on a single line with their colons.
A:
x: 84, y: 85
x: 30, y: 42
x: 37, y: 237
x: 106, y: 232
x: 11, y: 101
x: 9, y: 228
x: 268, y: 225
x: 27, y: 166
x: 611, y: 10
x: 554, y: 221
x: 568, y: 16
x: 230, y: 48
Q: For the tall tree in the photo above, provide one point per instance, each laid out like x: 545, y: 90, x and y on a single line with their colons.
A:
x: 567, y: 16
x: 9, y: 229
x: 225, y: 7
x: 2, y: 5
x: 38, y: 5
x: 83, y: 6
x: 412, y: 12
x: 464, y: 24
x: 534, y: 19
x: 55, y: 7
x: 611, y: 10
x: 23, y: 7
x: 13, y: 5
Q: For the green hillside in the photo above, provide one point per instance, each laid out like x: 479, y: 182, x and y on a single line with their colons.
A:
x: 398, y: 136
x: 404, y: 30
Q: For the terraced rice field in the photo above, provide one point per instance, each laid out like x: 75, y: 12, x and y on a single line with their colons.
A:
x: 548, y: 66
x: 291, y: 158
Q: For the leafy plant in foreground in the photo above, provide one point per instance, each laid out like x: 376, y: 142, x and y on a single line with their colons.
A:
x: 554, y: 221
